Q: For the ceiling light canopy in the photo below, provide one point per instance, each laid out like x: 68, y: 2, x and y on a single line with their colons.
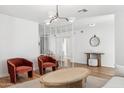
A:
x: 55, y: 16
x: 92, y: 25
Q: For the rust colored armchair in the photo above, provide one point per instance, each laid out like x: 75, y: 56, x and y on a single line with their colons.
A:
x: 46, y: 61
x: 19, y: 65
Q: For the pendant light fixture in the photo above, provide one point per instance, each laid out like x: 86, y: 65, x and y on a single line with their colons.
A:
x: 58, y: 17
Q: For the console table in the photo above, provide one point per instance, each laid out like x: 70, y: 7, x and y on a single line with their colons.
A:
x: 98, y: 57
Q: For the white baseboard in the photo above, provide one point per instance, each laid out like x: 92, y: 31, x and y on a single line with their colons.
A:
x: 4, y: 75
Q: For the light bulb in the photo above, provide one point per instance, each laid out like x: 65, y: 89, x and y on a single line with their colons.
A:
x: 71, y: 19
x: 47, y: 22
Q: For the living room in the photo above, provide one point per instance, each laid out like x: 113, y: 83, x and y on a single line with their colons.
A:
x: 84, y: 41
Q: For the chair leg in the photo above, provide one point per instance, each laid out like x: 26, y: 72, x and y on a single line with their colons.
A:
x: 30, y: 74
x: 16, y: 75
x: 13, y: 77
x: 53, y: 68
x: 42, y: 71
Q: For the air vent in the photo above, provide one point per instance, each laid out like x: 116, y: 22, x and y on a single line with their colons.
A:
x: 82, y: 10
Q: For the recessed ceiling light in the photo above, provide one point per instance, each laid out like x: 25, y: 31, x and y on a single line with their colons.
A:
x: 92, y: 25
x: 82, y: 10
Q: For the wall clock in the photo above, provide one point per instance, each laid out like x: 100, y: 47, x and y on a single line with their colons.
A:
x: 94, y: 41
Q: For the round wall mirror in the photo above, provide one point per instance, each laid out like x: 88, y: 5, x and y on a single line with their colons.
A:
x: 94, y: 41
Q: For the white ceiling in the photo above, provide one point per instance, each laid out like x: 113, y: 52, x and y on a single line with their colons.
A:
x: 39, y: 13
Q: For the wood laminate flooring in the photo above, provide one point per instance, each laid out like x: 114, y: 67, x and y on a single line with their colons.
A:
x: 102, y: 72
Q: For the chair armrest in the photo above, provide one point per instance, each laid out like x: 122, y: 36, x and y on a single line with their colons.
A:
x: 11, y: 67
x: 40, y: 61
x: 10, y: 64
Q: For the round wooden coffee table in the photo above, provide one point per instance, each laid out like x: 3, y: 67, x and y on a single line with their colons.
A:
x: 66, y: 78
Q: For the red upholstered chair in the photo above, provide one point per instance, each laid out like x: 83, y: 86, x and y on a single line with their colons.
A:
x: 19, y: 65
x: 46, y: 61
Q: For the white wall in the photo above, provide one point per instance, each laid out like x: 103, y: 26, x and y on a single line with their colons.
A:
x: 119, y: 37
x: 18, y: 38
x: 104, y: 29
